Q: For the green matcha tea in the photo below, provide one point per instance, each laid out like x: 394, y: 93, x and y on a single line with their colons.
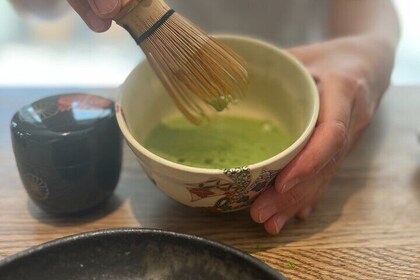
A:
x: 222, y: 142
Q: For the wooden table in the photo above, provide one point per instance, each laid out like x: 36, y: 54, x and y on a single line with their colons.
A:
x: 366, y: 227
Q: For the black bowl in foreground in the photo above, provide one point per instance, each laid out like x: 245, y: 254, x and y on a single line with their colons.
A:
x: 129, y: 253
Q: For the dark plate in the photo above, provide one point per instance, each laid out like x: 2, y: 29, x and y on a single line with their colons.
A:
x: 125, y: 254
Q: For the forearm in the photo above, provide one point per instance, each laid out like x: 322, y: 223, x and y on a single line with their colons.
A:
x: 372, y: 30
x: 377, y: 18
x: 369, y: 61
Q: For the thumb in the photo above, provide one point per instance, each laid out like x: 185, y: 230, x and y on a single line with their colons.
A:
x: 105, y: 8
x: 96, y: 23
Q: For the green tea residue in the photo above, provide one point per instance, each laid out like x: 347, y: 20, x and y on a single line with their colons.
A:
x: 223, y: 142
x: 290, y: 265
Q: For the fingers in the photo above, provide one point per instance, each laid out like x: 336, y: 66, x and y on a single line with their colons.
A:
x: 275, y: 209
x: 96, y: 14
x: 328, y: 141
x: 301, y: 184
x: 327, y: 173
x: 105, y: 8
x: 346, y: 109
x: 275, y: 223
x: 271, y: 203
x: 304, y: 213
x: 92, y: 20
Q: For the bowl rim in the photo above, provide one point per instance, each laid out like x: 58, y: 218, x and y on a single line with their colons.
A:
x: 140, y: 232
x: 304, y: 136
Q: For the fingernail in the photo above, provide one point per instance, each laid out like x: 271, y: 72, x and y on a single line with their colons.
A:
x: 289, y: 185
x: 279, y: 223
x: 105, y: 7
x: 266, y: 212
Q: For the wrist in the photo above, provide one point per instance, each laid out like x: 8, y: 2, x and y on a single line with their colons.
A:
x: 373, y: 59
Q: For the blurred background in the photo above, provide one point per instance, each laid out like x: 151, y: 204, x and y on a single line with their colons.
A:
x: 63, y: 52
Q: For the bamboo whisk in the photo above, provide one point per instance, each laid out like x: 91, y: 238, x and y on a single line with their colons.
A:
x: 198, y: 71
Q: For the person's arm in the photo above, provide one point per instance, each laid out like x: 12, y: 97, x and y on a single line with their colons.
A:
x: 352, y: 70
x: 377, y: 18
x: 375, y: 26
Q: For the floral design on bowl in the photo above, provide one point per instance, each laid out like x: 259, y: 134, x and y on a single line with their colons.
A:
x: 236, y: 192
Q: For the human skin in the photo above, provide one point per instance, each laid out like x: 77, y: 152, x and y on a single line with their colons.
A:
x: 352, y: 70
x: 97, y: 14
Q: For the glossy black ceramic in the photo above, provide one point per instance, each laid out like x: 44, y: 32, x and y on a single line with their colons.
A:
x: 68, y: 151
x: 128, y: 254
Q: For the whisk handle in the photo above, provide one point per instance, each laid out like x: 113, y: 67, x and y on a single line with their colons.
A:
x: 126, y: 7
x: 130, y: 17
x: 142, y: 17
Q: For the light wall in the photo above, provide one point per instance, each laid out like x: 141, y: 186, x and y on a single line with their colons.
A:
x: 63, y: 52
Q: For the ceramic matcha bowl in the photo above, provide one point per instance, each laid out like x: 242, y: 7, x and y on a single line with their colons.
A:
x: 280, y: 90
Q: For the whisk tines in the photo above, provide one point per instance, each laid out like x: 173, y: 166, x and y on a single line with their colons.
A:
x: 197, y: 70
